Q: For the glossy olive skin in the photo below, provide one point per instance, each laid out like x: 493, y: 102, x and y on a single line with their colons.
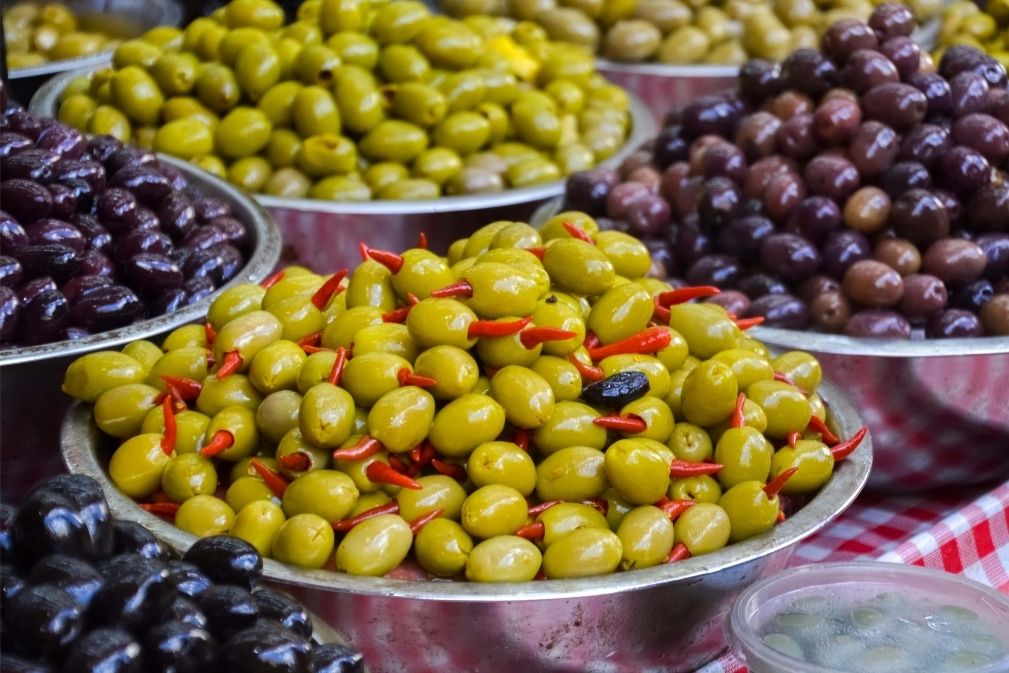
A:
x: 95, y: 373
x: 375, y: 546
x: 454, y: 369
x: 258, y: 523
x: 749, y: 509
x: 326, y: 493
x: 204, y: 516
x: 402, y: 418
x: 187, y: 475
x: 622, y: 311
x: 465, y: 423
x: 698, y: 489
x: 304, y: 540
x: 525, y: 396
x: 709, y: 393
x: 786, y: 408
x: 137, y: 465
x: 815, y: 463
x: 504, y: 558
x: 573, y: 473
x: 705, y: 331
x: 578, y: 267
x: 570, y: 424
x: 745, y: 455
x: 647, y: 536
x: 493, y: 510
x: 639, y: 472
x: 326, y: 416
x: 442, y: 547
x: 703, y: 528
x: 583, y: 553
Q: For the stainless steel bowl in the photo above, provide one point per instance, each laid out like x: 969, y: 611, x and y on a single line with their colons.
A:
x: 325, y: 234
x: 667, y: 619
x: 123, y: 18
x: 938, y: 409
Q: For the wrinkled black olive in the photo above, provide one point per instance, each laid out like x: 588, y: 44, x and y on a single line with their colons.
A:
x: 105, y: 650
x: 265, y: 648
x: 226, y: 559
x: 176, y: 647
x: 42, y: 620
x: 335, y: 659
x: 78, y: 578
x: 281, y: 608
x: 132, y: 538
x: 617, y: 390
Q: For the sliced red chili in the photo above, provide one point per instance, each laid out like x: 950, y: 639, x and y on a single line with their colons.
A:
x: 391, y: 507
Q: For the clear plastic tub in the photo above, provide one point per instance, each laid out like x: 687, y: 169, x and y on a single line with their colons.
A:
x: 867, y: 617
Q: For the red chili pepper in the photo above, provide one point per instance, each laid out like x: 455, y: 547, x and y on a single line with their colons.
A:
x: 781, y: 517
x: 774, y: 486
x: 575, y: 232
x: 400, y: 314
x: 187, y: 389
x: 746, y: 323
x: 460, y: 288
x: 627, y: 423
x: 391, y: 507
x: 422, y: 455
x: 422, y: 241
x: 683, y: 468
x: 534, y: 336
x: 521, y: 439
x: 310, y: 343
x: 793, y: 438
x: 160, y: 496
x: 536, y: 510
x: 231, y: 363
x: 366, y: 447
x: 538, y: 250
x: 738, y: 420
x: 425, y: 519
x: 679, y: 552
x: 778, y: 376
x: 646, y: 341
x: 221, y: 441
x: 336, y: 373
x: 454, y: 470
x: 397, y: 464
x: 328, y: 290
x: 386, y: 258
x: 591, y: 340
x: 274, y: 481
x: 685, y: 294
x: 493, y: 328
x: 660, y: 313
x: 169, y: 509
x: 532, y: 531
x: 299, y: 461
x: 588, y: 372
x: 816, y: 424
x: 210, y: 333
x: 845, y: 448
x: 674, y: 508
x: 382, y: 473
x: 599, y: 504
x: 408, y: 378
x: 171, y: 432
x: 272, y: 279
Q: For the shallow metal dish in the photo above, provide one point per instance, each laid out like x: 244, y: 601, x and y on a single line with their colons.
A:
x: 667, y: 619
x: 938, y: 409
x: 325, y: 234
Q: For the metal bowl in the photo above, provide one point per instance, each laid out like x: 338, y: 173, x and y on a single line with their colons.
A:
x: 667, y: 619
x: 325, y: 234
x: 123, y: 18
x: 938, y: 409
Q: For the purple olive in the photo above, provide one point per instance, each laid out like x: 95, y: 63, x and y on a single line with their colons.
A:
x: 231, y: 262
x: 146, y: 183
x: 742, y: 236
x: 129, y: 156
x: 878, y: 324
x: 756, y: 285
x: 13, y: 143
x: 178, y: 217
x: 197, y: 289
x: 586, y: 191
x: 208, y: 236
x: 25, y: 200
x: 94, y: 233
x: 21, y: 121
x: 10, y: 312
x: 107, y: 308
x: 789, y: 256
x: 988, y: 208
x: 64, y: 200
x: 996, y: 252
x: 152, y: 274
x: 207, y: 208
x: 169, y: 302
x: 953, y: 323
x: 103, y: 147
x: 43, y: 318
x: 117, y: 209
x: 49, y: 259
x: 50, y: 230
x: 780, y: 310
x: 719, y: 270
x: 237, y: 233
x: 31, y: 289
x: 63, y: 140
x: 89, y: 171
x: 843, y: 248
x: 12, y: 235
x: 34, y: 164
x: 11, y: 272
x: 94, y: 263
x: 79, y: 286
x: 135, y: 242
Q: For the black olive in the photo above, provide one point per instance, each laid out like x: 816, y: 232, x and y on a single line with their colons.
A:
x: 229, y: 609
x: 77, y: 577
x: 279, y: 607
x: 11, y: 585
x: 227, y: 560
x: 48, y: 523
x: 42, y: 620
x: 136, y: 592
x: 87, y: 494
x: 184, y: 610
x: 176, y: 647
x: 7, y: 513
x: 11, y: 663
x: 132, y: 538
x: 335, y: 658
x: 617, y: 390
x: 187, y: 579
x: 265, y: 648
x: 105, y: 650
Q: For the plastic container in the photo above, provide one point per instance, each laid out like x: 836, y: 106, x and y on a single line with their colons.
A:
x: 914, y: 621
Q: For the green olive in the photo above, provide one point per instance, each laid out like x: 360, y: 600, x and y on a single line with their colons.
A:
x: 344, y: 328
x: 258, y: 523
x: 313, y: 112
x: 143, y: 351
x: 304, y: 540
x: 745, y: 455
x: 436, y: 492
x: 493, y: 510
x: 90, y: 375
x: 573, y: 473
x: 786, y: 408
x: 294, y: 443
x: 465, y: 423
x: 326, y: 493
x: 244, y: 490
x: 562, y: 376
x: 801, y: 368
x: 375, y: 546
x: 393, y: 140
x: 400, y: 22
x: 505, y: 558
x: 137, y: 465
x: 386, y: 338
x: 326, y: 416
x: 205, y: 515
x: 707, y: 332
x: 750, y: 511
x: 248, y: 334
x: 703, y: 528
x: 136, y: 94
x: 359, y: 99
x: 578, y: 267
x: 526, y: 397
x: 815, y: 463
x: 747, y: 366
x: 276, y: 102
x: 709, y: 393
x: 699, y: 489
x: 453, y: 368
x: 234, y: 302
x: 278, y: 414
x: 570, y: 424
x: 120, y: 411
x: 354, y: 49
x: 646, y: 535
x: 240, y: 423
x: 442, y: 547
x: 217, y: 88
x: 402, y: 418
x: 639, y: 472
x: 418, y: 103
x: 502, y: 463
x: 189, y: 362
x: 583, y: 553
x: 188, y: 475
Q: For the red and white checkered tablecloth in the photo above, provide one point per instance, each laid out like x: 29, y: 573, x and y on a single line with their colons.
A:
x: 964, y: 532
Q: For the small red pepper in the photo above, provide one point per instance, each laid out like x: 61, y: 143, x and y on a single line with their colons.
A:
x: 685, y: 294
x: 391, y: 507
x: 399, y: 315
x: 425, y: 519
x: 674, y: 508
x: 738, y: 420
x: 167, y: 509
x: 422, y: 455
x: 536, y: 510
x: 650, y: 340
x: 538, y: 250
x: 397, y: 464
x: 274, y: 481
x: 460, y: 288
x: 187, y: 389
x: 793, y: 438
x: 599, y: 504
x: 454, y: 470
x: 171, y: 432
x: 408, y: 378
x: 493, y: 328
x: 845, y: 448
x: 272, y: 279
x: 336, y: 373
x: 816, y: 424
x: 521, y: 439
x: 422, y: 241
x: 382, y: 473
x: 627, y: 423
x: 575, y: 232
x: 310, y: 343
x: 328, y: 290
x: 679, y: 469
x: 591, y: 340
x: 386, y: 258
x: 781, y: 517
x: 366, y: 447
x: 746, y: 323
x: 588, y: 372
x: 774, y: 486
x: 679, y: 552
x: 532, y: 531
x: 534, y: 336
x: 299, y: 461
x: 221, y: 441
x: 660, y: 313
x: 778, y: 376
x: 210, y: 333
x: 231, y: 363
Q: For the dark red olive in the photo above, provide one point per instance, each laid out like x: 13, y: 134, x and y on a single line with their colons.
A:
x: 867, y: 68
x: 878, y: 324
x: 953, y: 323
x: 89, y: 171
x: 988, y: 208
x: 135, y: 242
x: 996, y: 251
x: 152, y: 274
x: 26, y: 200
x: 207, y: 236
x: 919, y: 216
x: 177, y: 215
x: 11, y: 272
x: 31, y: 289
x: 106, y: 308
x: 720, y: 201
x: 832, y: 176
x: 924, y: 144
x: 146, y: 183
x: 43, y: 317
x: 129, y: 156
x: 34, y: 164
x: 103, y: 147
x: 117, y: 209
x: 780, y: 310
x: 585, y: 191
x: 63, y: 140
x: 13, y: 143
x: 21, y: 121
x: 963, y: 170
x: 759, y: 80
x: 936, y: 90
x: 207, y: 208
x: 904, y: 52
x: 175, y: 177
x: 841, y: 249
x: 50, y: 230
x: 898, y: 105
x: 758, y: 284
x: 795, y: 137
x: 742, y: 236
x: 12, y: 235
x: 64, y: 200
x: 903, y: 176
x: 710, y: 115
x: 94, y: 263
x: 718, y: 270
x: 969, y: 93
x: 10, y: 314
x: 983, y: 133
x: 80, y: 286
x: 809, y: 71
x: 892, y: 19
x: 169, y: 302
x: 94, y: 233
x: 789, y: 256
x: 846, y: 36
x: 49, y: 259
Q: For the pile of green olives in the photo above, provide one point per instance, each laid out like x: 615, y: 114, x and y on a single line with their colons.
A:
x: 357, y: 100
x: 525, y: 406
x: 723, y: 32
x: 35, y: 34
x: 985, y: 27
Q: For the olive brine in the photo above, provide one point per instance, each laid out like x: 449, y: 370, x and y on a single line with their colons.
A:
x: 83, y: 592
x: 529, y: 406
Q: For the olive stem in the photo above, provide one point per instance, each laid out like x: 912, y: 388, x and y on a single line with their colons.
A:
x: 626, y: 423
x: 408, y: 378
x: 386, y: 258
x: 425, y: 519
x: 422, y: 240
x: 210, y: 333
x: 774, y: 486
x: 679, y: 552
x: 336, y: 373
x: 845, y: 448
x: 383, y: 473
x: 460, y: 288
x: 534, y: 336
x: 272, y: 279
x: 746, y: 323
x: 575, y: 232
x: 187, y: 389
x: 738, y: 419
x: 649, y: 340
x: 168, y: 509
x: 817, y: 425
x: 274, y: 481
x: 366, y: 447
x: 493, y: 328
x: 221, y: 441
x: 299, y: 461
x: 531, y: 531
x: 793, y: 438
x: 329, y: 289
x: 536, y: 510
x: 685, y: 294
x: 683, y: 468
x: 588, y: 372
x: 171, y: 431
x: 391, y: 507
x: 231, y: 363
x: 454, y: 470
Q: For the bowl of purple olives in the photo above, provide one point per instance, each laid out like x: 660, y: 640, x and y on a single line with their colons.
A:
x: 856, y: 201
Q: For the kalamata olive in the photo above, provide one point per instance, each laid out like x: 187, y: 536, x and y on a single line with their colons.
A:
x: 89, y: 171
x: 983, y: 133
x: 954, y: 260
x: 742, y: 236
x: 710, y: 114
x: 266, y: 647
x: 75, y: 576
x: 968, y: 93
x: 64, y: 200
x: 103, y: 147
x: 903, y: 176
x: 284, y: 610
x: 10, y: 314
x: 924, y: 144
x: 649, y: 176
x: 34, y: 164
x: 26, y: 200
x: 334, y: 658
x: 133, y: 243
x: 817, y: 284
x: 617, y: 390
x: 953, y: 323
x: 152, y: 274
x: 841, y: 249
x: 663, y: 261
x: 959, y: 58
x: 757, y: 135
x: 21, y: 121
x: 13, y: 143
x: 229, y: 609
x: 48, y: 522
x: 795, y: 137
x: 718, y: 270
x: 177, y: 215
x: 963, y: 170
x: 632, y: 162
x: 12, y: 235
x: 936, y: 90
x: 995, y: 315
x: 846, y: 36
x: 873, y: 148
x: 83, y: 194
x: 43, y: 620
x: 227, y: 560
x: 11, y: 272
x: 585, y: 191
x: 176, y: 646
x: 829, y: 311
x: 50, y: 230
x: 724, y: 160
x: 205, y: 237
x: 72, y: 333
x: 878, y: 324
x: 780, y: 310
x: 720, y: 201
x: 117, y: 209
x: 971, y: 296
x: 63, y: 140
x: 923, y: 296
x: 733, y: 301
x: 808, y: 71
x: 832, y: 176
x: 899, y: 254
x: 94, y: 233
x: 691, y: 243
x: 175, y: 177
x: 904, y: 52
x: 951, y: 202
x: 988, y: 208
x: 169, y: 302
x: 231, y: 263
x: 759, y: 80
x: 129, y: 537
x: 135, y: 594
x: 892, y: 19
x: 867, y: 68
x: 783, y: 195
x: 79, y: 286
x: 49, y: 259
x: 129, y: 156
x: 146, y: 220
x: 648, y: 215
x: 897, y: 105
x: 237, y: 234
x: 836, y: 120
x: 146, y: 183
x: 187, y: 579
x: 998, y: 104
x: 107, y: 308
x: 756, y: 285
x: 207, y: 208
x: 618, y: 202
x: 94, y: 263
x: 789, y: 256
x: 873, y: 284
x: 186, y: 611
x: 110, y: 650
x: 919, y: 216
x: 996, y: 251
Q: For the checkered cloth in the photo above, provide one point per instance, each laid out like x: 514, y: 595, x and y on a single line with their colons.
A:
x: 964, y: 532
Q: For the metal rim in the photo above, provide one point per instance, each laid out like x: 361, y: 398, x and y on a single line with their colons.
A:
x: 838, y: 344
x: 79, y: 436
x: 643, y: 127
x: 265, y: 253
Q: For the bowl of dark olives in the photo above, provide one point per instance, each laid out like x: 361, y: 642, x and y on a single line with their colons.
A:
x: 84, y: 591
x: 853, y: 200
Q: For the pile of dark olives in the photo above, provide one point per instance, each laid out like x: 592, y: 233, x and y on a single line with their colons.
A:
x: 95, y: 235
x: 530, y: 405
x: 357, y: 100
x: 854, y: 189
x: 82, y: 592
